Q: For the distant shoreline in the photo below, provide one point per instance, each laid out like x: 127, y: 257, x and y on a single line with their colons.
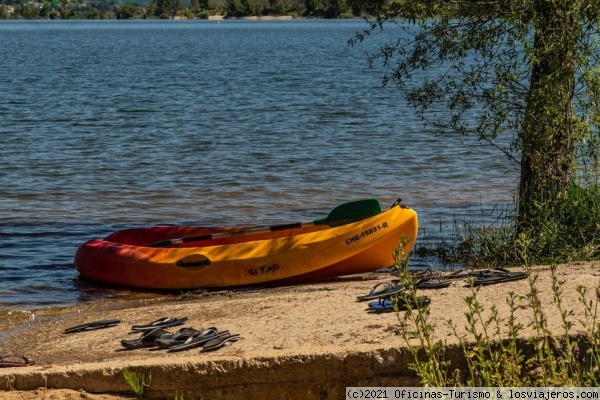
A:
x: 251, y: 18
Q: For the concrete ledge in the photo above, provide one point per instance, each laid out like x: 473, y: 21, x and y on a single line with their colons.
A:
x: 290, y: 377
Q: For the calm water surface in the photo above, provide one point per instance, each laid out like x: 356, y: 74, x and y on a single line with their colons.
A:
x: 107, y: 125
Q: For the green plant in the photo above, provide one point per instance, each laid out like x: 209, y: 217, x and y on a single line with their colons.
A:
x: 428, y: 355
x: 137, y: 381
x: 494, y: 348
x: 572, y: 234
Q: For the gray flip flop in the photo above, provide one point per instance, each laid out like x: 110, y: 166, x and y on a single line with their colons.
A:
x: 145, y: 340
x: 93, y: 325
x: 164, y: 322
x: 197, y: 340
x: 179, y: 337
x: 218, y: 342
x: 497, y: 275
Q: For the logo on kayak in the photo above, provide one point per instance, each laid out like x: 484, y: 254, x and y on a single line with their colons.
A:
x: 265, y: 269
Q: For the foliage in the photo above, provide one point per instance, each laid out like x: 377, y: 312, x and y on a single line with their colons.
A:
x: 573, y: 235
x: 127, y: 12
x: 163, y: 9
x: 137, y: 381
x: 520, y: 75
x: 496, y: 354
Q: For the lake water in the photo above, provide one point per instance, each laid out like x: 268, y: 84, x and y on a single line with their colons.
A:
x: 113, y: 124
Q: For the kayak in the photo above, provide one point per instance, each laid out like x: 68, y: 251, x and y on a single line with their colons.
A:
x: 356, y: 237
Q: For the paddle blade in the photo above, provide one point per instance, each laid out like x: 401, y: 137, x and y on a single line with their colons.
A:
x: 350, y: 212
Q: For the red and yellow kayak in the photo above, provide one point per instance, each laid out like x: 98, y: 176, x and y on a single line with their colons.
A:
x: 238, y: 256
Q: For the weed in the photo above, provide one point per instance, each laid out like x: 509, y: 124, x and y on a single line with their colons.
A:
x: 137, y: 381
x: 495, y: 352
x: 10, y: 383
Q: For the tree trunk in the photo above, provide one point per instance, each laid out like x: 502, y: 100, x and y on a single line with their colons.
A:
x: 547, y: 135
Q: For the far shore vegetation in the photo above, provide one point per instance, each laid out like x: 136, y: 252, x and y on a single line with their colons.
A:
x: 172, y: 9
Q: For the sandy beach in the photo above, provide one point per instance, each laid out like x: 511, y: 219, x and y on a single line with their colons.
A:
x: 303, y: 341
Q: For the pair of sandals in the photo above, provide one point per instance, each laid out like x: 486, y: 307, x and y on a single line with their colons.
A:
x: 486, y: 276
x: 188, y: 338
x: 382, y: 289
x: 433, y: 280
x: 184, y: 339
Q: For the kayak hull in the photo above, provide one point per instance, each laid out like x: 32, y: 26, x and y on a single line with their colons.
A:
x: 125, y: 257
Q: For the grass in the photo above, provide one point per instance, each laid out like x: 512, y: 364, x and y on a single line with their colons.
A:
x: 137, y: 381
x: 139, y: 384
x: 494, y: 348
x: 571, y: 232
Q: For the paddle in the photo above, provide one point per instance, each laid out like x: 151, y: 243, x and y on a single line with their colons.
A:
x: 341, y: 215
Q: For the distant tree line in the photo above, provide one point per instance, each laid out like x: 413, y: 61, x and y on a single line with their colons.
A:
x: 170, y: 9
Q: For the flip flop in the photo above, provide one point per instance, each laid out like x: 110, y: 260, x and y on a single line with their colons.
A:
x: 460, y: 273
x: 388, y: 290
x: 432, y: 282
x: 422, y: 273
x: 15, y: 360
x: 198, y: 340
x: 179, y: 337
x: 386, y: 305
x: 90, y: 326
x: 164, y: 322
x: 497, y: 275
x: 146, y: 340
x: 217, y: 343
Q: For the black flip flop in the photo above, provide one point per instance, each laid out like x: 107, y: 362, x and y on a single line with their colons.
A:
x: 90, y: 326
x: 198, y: 340
x: 497, y: 275
x: 460, y: 273
x: 146, y: 340
x: 388, y: 290
x: 15, y: 360
x: 432, y: 282
x: 164, y: 322
x: 179, y: 337
x: 218, y: 342
x: 386, y: 305
x: 422, y: 273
